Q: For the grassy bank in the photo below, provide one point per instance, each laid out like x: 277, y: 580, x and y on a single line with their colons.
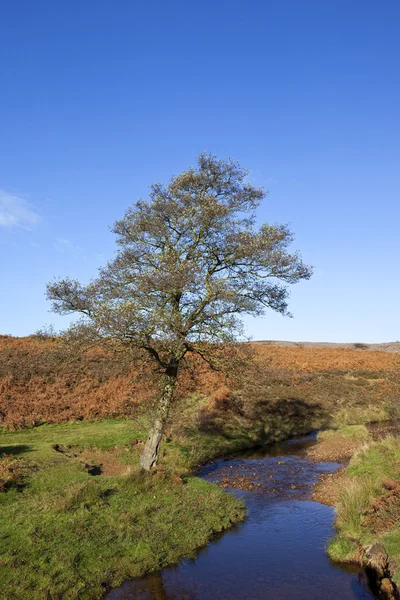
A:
x: 368, y: 507
x: 66, y: 533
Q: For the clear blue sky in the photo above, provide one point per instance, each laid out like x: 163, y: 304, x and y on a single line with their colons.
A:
x: 99, y: 99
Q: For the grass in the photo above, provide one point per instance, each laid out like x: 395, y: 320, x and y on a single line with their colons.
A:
x: 349, y: 432
x: 66, y: 534
x: 361, y: 414
x: 354, y: 503
x: 342, y: 549
x: 365, y: 500
x: 378, y: 461
x: 103, y: 434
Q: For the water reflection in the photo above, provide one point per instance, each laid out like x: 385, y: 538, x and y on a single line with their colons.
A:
x: 149, y: 588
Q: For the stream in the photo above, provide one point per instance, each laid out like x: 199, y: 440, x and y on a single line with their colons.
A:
x: 277, y: 553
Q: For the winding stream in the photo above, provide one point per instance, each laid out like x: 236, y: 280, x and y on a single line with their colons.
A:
x: 278, y: 553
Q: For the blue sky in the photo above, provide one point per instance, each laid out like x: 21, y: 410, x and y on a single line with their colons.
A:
x: 100, y: 99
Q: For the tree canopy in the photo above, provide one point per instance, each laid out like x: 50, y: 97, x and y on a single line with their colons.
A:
x: 190, y: 262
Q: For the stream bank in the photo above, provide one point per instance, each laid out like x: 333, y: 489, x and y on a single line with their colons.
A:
x: 366, y: 495
x: 278, y: 553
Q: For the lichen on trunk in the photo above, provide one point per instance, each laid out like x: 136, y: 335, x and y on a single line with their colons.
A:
x: 149, y: 456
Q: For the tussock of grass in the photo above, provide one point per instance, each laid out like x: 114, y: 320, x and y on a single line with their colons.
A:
x: 354, y: 501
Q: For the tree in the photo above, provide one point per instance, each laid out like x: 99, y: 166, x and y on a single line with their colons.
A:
x: 190, y: 262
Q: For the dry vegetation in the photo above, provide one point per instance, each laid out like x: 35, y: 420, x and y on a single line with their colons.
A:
x: 384, y: 513
x: 43, y: 381
x: 11, y: 472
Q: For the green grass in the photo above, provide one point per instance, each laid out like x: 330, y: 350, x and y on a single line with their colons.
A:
x: 391, y: 541
x: 342, y: 549
x: 102, y: 434
x: 379, y: 460
x: 354, y: 501
x: 68, y: 535
x: 369, y: 469
x: 350, y: 432
x: 65, y: 534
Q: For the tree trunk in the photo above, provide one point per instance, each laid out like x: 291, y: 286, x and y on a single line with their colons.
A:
x: 149, y: 456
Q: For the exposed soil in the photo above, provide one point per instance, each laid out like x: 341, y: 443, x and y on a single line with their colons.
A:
x: 380, y: 569
x: 107, y: 460
x: 335, y: 448
x: 328, y: 488
x: 94, y: 461
x: 11, y: 472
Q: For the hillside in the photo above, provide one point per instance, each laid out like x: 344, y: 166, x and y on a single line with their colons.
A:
x: 42, y: 381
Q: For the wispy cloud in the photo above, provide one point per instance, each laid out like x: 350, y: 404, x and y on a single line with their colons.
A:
x: 15, y: 211
x: 66, y: 246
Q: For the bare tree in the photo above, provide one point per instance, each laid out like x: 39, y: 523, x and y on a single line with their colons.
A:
x: 190, y: 262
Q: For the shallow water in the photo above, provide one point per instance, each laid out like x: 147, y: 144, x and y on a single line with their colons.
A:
x: 278, y: 553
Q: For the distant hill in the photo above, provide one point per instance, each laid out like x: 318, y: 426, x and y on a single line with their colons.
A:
x: 384, y: 347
